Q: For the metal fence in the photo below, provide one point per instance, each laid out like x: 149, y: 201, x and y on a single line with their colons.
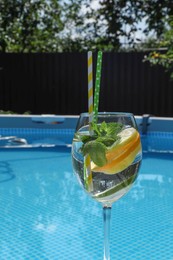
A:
x: 56, y: 83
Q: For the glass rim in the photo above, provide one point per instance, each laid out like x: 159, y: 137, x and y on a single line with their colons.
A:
x: 110, y: 113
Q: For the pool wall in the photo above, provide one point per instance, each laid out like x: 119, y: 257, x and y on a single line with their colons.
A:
x: 145, y: 123
x: 36, y: 130
x: 38, y: 121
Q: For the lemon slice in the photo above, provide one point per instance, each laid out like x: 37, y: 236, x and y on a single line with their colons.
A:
x: 121, y: 154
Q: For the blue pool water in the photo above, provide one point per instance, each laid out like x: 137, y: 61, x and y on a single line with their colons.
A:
x: 45, y: 215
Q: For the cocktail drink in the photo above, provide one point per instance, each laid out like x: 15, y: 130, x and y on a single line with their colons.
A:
x: 114, y: 149
x: 106, y: 152
x: 106, y: 156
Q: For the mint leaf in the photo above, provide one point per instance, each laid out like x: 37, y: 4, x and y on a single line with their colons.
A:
x: 103, y: 128
x: 97, y: 152
x: 108, y: 141
x: 113, y: 129
x: 95, y: 128
x: 87, y: 138
x: 103, y: 135
x: 107, y: 129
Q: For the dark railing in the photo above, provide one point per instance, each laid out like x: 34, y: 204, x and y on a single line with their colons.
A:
x: 56, y: 83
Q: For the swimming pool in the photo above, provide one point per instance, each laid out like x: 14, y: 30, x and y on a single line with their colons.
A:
x: 44, y: 214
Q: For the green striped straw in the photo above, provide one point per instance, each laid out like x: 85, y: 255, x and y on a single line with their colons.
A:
x: 97, y: 85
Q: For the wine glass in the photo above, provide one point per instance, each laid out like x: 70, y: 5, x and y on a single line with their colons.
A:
x: 106, y: 156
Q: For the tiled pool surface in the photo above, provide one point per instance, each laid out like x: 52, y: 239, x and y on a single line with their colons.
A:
x: 44, y: 214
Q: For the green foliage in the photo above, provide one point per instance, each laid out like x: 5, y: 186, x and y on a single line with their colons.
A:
x: 104, y: 135
x: 164, y: 58
x: 29, y: 26
x: 77, y: 25
x: 156, y: 12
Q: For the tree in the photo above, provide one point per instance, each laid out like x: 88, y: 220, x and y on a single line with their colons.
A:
x: 157, y: 13
x: 78, y: 25
x: 29, y: 26
x: 115, y: 17
x: 120, y: 20
x: 114, y: 21
x: 164, y: 57
x: 101, y: 26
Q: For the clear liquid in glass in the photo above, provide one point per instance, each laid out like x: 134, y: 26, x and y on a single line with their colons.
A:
x: 106, y: 188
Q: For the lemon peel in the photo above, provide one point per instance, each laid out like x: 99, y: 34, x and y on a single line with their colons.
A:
x: 121, y: 154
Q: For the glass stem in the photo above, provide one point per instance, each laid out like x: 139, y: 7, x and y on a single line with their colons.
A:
x: 106, y: 219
